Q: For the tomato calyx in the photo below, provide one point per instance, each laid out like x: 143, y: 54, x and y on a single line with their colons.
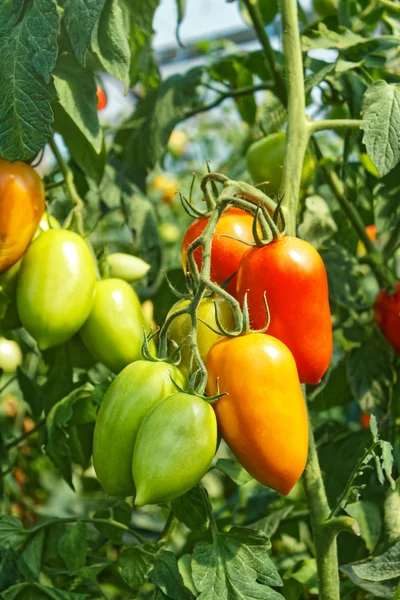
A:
x: 173, y: 358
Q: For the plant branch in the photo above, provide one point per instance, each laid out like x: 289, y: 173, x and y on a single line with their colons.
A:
x: 168, y: 527
x: 394, y: 6
x: 393, y: 243
x: 54, y: 184
x: 76, y: 200
x: 315, y: 126
x: 297, y: 131
x: 267, y: 85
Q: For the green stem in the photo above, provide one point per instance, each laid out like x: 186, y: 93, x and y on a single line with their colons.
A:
x: 394, y: 6
x: 314, y: 126
x: 76, y: 200
x: 168, y: 527
x: 279, y: 85
x: 54, y: 184
x: 393, y: 243
x: 297, y: 131
x: 325, y: 545
x: 108, y: 522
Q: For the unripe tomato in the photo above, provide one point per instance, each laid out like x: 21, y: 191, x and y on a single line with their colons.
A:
x: 263, y: 417
x: 225, y: 252
x: 365, y: 419
x: 113, y: 333
x: 47, y: 223
x: 292, y: 274
x: 21, y: 207
x: 55, y: 288
x: 10, y: 355
x: 181, y: 327
x: 101, y: 98
x: 174, y: 448
x: 8, y: 286
x: 126, y: 266
x: 169, y: 233
x: 166, y: 186
x: 78, y: 354
x: 265, y: 163
x: 177, y: 143
x: 387, y: 315
x: 132, y: 394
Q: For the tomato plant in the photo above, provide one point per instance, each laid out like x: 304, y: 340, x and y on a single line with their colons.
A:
x: 387, y: 315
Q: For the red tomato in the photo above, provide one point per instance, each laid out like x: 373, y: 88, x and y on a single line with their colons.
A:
x: 101, y: 98
x: 225, y: 252
x: 292, y: 274
x: 365, y: 419
x: 387, y: 315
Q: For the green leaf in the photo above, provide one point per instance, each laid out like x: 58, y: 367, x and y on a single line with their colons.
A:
x: 110, y: 42
x: 191, y: 510
x: 234, y: 470
x: 384, y: 589
x: 26, y: 63
x: 76, y: 90
x: 31, y: 391
x: 34, y: 591
x: 236, y: 566
x: 335, y: 392
x: 343, y: 278
x: 73, y: 547
x: 136, y: 564
x: 80, y: 18
x: 381, y: 568
x: 167, y: 577
x: 12, y: 533
x: 371, y: 373
x: 368, y: 517
x: 30, y: 561
x: 318, y: 224
x: 391, y: 510
x: 60, y: 426
x: 269, y: 524
x: 120, y: 512
x: 59, y: 382
x: 381, y: 125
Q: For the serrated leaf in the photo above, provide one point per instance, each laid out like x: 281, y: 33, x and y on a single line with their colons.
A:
x: 318, y: 224
x: 343, y: 279
x: 381, y: 125
x: 80, y: 18
x: 12, y: 533
x: 136, y: 564
x: 26, y: 64
x: 269, y: 524
x: 236, y: 566
x: 191, y: 510
x: 34, y: 591
x: 73, y: 547
x: 31, y: 391
x: 387, y: 462
x: 59, y: 382
x: 371, y: 374
x: 391, y: 509
x: 30, y: 561
x: 384, y: 589
x: 110, y: 42
x: 234, y: 470
x: 381, y: 568
x: 167, y: 577
x: 76, y: 90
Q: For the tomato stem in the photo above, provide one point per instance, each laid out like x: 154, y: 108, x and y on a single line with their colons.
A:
x: 315, y: 126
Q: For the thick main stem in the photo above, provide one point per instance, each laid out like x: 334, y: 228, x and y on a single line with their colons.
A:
x: 297, y: 132
x: 325, y: 545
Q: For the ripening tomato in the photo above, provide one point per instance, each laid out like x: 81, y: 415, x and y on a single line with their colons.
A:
x: 132, y: 394
x: 10, y: 355
x: 101, y: 98
x: 166, y: 186
x: 21, y: 207
x: 387, y: 315
x: 225, y: 252
x: 365, y: 419
x: 55, y: 288
x: 174, y: 448
x: 265, y: 163
x: 263, y: 416
x: 180, y: 328
x: 292, y: 274
x: 114, y: 331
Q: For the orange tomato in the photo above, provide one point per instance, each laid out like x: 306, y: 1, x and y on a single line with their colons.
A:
x: 101, y: 98
x: 22, y: 201
x: 226, y: 253
x: 263, y: 417
x: 166, y: 186
x: 365, y: 419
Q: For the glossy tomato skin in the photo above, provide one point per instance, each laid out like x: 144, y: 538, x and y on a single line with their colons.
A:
x: 180, y: 328
x: 126, y: 267
x: 225, y: 252
x: 113, y: 332
x: 10, y: 355
x: 265, y: 163
x: 132, y: 394
x: 101, y: 98
x: 174, y: 448
x: 387, y: 316
x: 292, y: 274
x: 22, y: 202
x: 263, y: 417
x: 55, y: 288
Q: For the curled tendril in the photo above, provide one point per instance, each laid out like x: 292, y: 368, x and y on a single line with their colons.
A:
x: 191, y: 210
x: 175, y: 291
x: 192, y: 390
x: 278, y: 217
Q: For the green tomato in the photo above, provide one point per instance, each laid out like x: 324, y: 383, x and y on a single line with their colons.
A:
x: 10, y: 355
x: 55, y: 289
x: 132, y: 394
x: 174, y: 448
x: 114, y: 331
x: 265, y: 163
x: 169, y: 232
x: 180, y: 328
x: 78, y: 354
x: 8, y: 287
x: 369, y: 165
x: 126, y: 266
